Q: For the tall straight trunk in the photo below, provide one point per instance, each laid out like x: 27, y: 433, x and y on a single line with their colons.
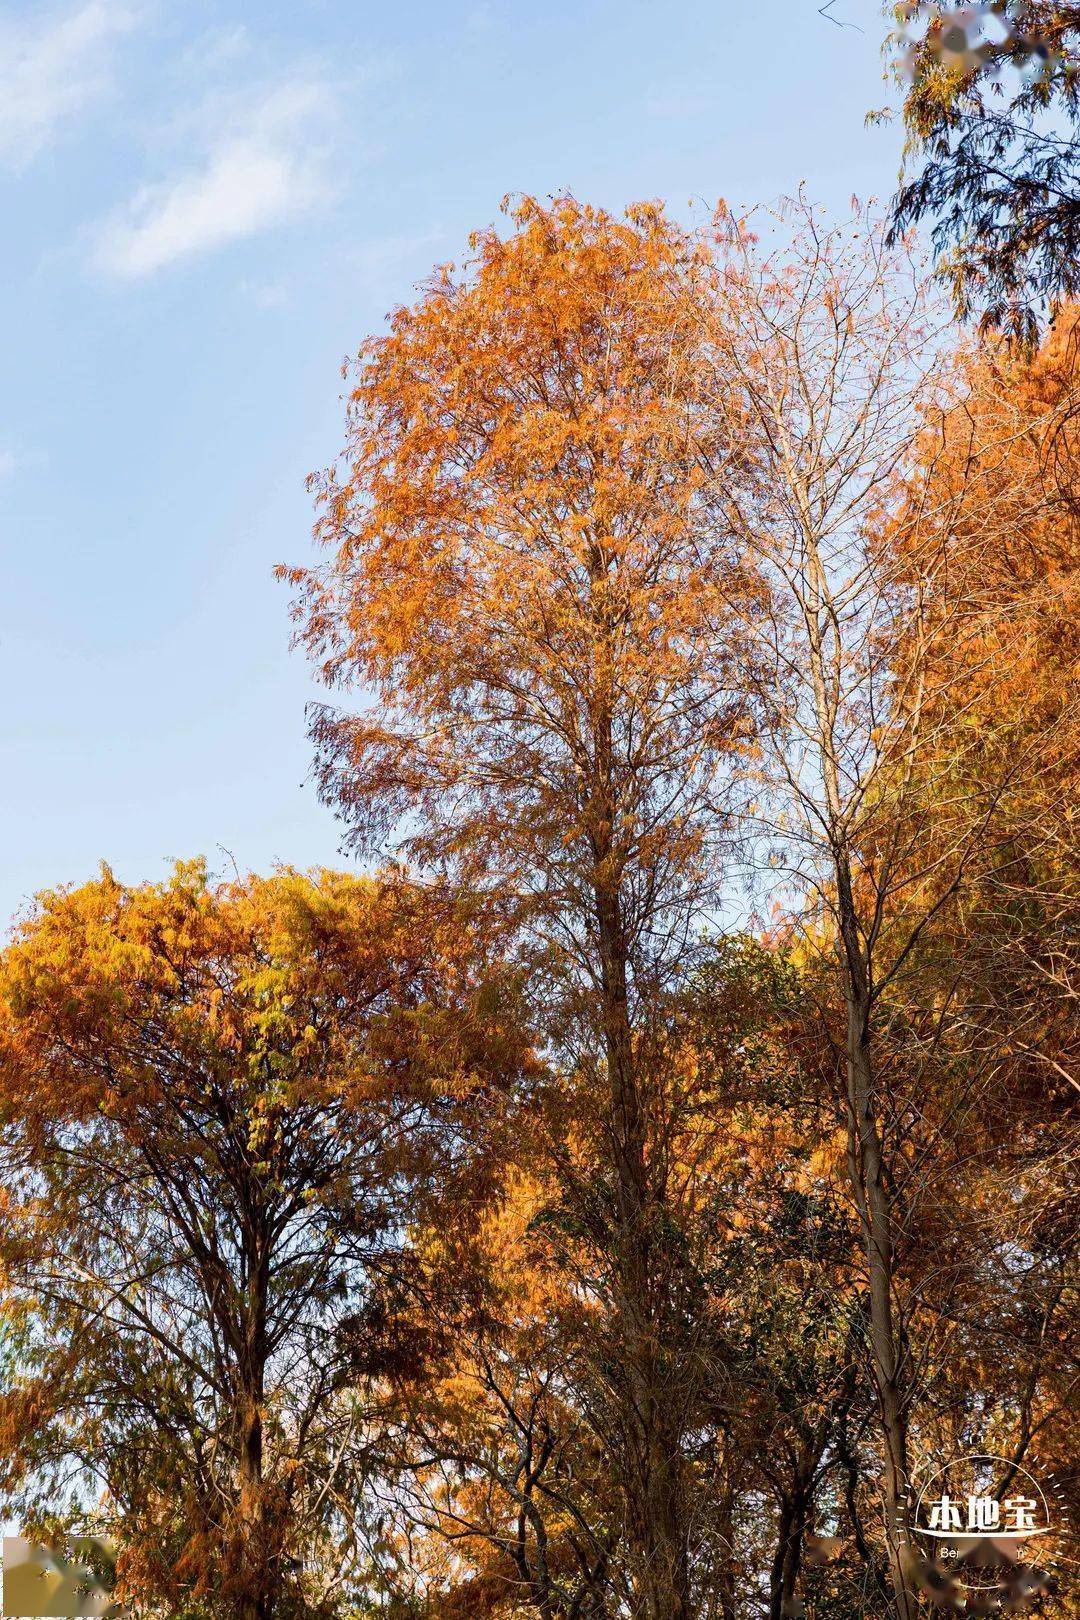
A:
x: 875, y: 1215
x: 260, y: 1562
x: 256, y: 1601
x: 727, y: 1595
x: 656, y: 1484
x: 650, y: 1427
x: 865, y: 1161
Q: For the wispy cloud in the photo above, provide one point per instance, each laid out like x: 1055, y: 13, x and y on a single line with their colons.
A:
x: 218, y: 48
x: 265, y: 163
x: 9, y: 463
x: 52, y: 69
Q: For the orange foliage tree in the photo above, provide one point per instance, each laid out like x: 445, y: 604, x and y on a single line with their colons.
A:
x: 1003, y: 973
x: 883, y: 499
x: 519, y: 1236
x: 522, y: 572
x: 220, y: 1105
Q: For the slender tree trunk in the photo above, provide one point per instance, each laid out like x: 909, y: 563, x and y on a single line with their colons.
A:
x: 657, y: 1486
x: 777, y: 1574
x: 258, y: 1535
x: 787, y: 1560
x: 727, y: 1606
x: 256, y: 1602
x: 792, y: 1525
x: 865, y: 1160
x: 650, y: 1426
x: 875, y: 1214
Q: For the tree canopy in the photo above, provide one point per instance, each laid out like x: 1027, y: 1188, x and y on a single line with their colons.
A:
x: 991, y: 108
x: 620, y: 1201
x: 221, y: 1105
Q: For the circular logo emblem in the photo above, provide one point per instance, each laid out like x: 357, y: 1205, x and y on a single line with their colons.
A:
x: 984, y: 1535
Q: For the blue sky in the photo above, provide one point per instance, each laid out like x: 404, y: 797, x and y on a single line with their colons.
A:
x: 206, y: 206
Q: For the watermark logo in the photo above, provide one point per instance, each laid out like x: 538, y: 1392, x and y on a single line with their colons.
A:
x: 968, y: 38
x: 1017, y: 1517
x: 984, y: 1535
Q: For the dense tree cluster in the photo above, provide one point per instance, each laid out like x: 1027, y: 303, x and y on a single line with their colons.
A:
x: 615, y: 1203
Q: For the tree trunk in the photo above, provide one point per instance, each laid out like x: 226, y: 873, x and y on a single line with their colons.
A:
x: 875, y: 1214
x: 650, y: 1425
x: 256, y: 1601
x: 727, y: 1595
x: 655, y: 1462
x: 865, y: 1163
x: 259, y: 1552
x: 792, y: 1525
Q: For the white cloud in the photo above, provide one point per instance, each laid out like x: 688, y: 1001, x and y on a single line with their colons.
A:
x: 218, y: 48
x: 264, y: 165
x: 51, y: 71
x: 9, y: 463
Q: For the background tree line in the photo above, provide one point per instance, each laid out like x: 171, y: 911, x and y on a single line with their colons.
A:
x: 608, y: 1204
